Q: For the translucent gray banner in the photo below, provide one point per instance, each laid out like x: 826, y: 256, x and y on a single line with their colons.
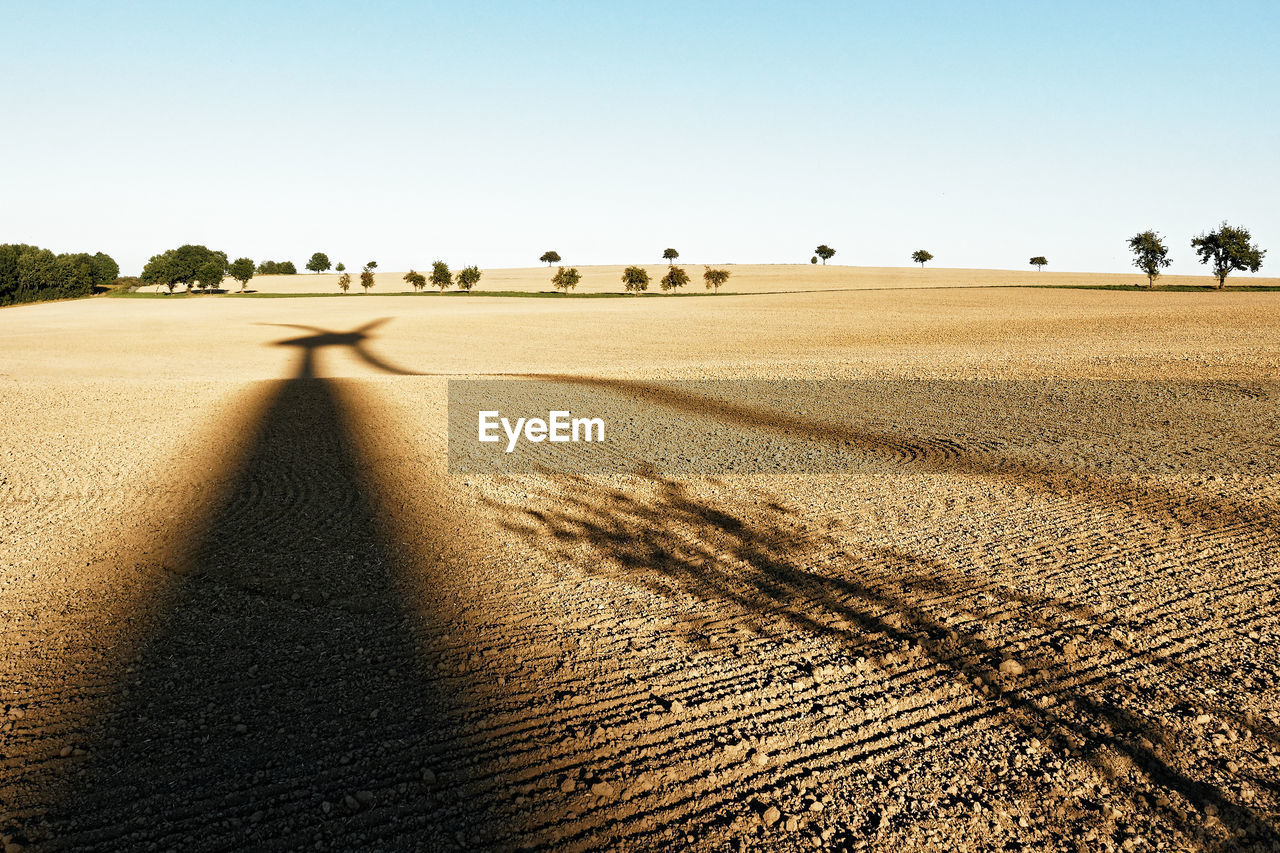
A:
x: 581, y: 425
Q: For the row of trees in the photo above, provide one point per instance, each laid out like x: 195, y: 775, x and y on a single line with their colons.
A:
x: 441, y: 277
x: 1228, y: 248
x: 344, y: 279
x: 636, y: 279
x: 29, y: 273
x: 193, y: 265
x: 32, y: 274
x: 199, y: 266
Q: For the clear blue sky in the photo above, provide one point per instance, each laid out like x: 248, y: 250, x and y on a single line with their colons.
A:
x: 737, y: 132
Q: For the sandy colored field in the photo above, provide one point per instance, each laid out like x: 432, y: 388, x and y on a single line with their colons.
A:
x: 244, y: 604
x: 748, y: 278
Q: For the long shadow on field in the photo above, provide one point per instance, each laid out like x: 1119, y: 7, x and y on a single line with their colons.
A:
x: 1152, y: 500
x: 285, y: 700
x: 1084, y: 695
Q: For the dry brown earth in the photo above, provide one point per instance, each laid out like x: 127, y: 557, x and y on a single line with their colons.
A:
x: 243, y: 603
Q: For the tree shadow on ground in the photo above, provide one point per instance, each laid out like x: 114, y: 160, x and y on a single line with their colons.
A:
x: 763, y: 569
x: 1151, y: 499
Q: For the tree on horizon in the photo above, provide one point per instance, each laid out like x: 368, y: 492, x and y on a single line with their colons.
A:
x: 551, y: 257
x: 467, y: 278
x: 1228, y: 248
x: 241, y: 270
x: 714, y: 278
x: 670, y: 255
x: 1039, y: 262
x: 319, y: 263
x: 922, y: 257
x: 675, y: 278
x: 635, y: 279
x: 825, y: 252
x: 210, y: 275
x: 1150, y: 254
x: 416, y: 279
x: 440, y: 275
x: 566, y: 279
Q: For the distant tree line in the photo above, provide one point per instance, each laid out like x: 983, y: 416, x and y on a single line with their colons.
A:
x: 636, y: 279
x: 277, y: 268
x: 32, y: 274
x: 444, y: 278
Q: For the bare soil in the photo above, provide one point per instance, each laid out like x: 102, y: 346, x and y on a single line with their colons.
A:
x: 243, y: 603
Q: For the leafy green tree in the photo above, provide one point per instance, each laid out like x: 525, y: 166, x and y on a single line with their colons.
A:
x: 180, y: 265
x: 825, y: 252
x: 340, y: 268
x: 30, y: 273
x: 210, y: 275
x: 922, y: 257
x: 635, y: 279
x: 440, y: 275
x: 50, y: 276
x: 156, y: 271
x: 714, y: 278
x: 277, y: 268
x: 1229, y: 248
x: 1039, y: 262
x: 670, y: 255
x: 344, y: 282
x: 366, y: 279
x: 241, y: 270
x: 468, y: 277
x: 549, y: 258
x: 37, y: 272
x: 416, y: 279
x: 675, y: 277
x: 1150, y: 254
x: 814, y: 259
x: 566, y: 279
x: 319, y: 262
x: 105, y: 270
x: 75, y: 274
